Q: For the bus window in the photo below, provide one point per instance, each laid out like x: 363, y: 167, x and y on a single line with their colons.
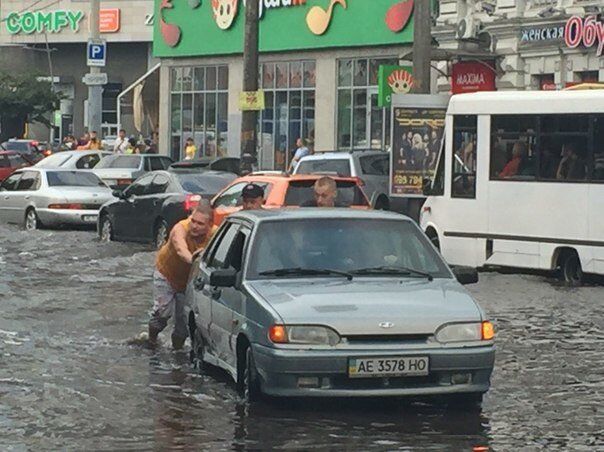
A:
x: 463, y: 176
x: 598, y: 163
x: 513, y: 155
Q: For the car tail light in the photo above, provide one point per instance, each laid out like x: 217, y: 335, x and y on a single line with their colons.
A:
x: 124, y: 181
x: 277, y: 334
x: 488, y: 331
x: 65, y: 206
x: 191, y: 202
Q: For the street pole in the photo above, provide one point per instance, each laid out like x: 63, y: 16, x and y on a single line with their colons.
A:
x: 422, y: 46
x: 95, y: 92
x: 249, y: 119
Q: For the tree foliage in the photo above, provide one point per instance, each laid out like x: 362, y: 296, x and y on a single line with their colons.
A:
x: 24, y: 97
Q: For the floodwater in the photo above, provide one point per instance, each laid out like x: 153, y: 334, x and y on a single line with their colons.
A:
x: 68, y: 304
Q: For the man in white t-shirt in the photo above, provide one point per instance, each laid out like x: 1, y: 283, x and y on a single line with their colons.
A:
x: 121, y: 143
x: 301, y: 151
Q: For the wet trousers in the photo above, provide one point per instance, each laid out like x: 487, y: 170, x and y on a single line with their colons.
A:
x: 167, y: 303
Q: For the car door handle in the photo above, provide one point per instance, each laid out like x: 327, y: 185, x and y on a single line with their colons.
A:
x: 27, y: 197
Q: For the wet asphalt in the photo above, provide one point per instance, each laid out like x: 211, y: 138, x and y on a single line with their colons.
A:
x: 68, y: 379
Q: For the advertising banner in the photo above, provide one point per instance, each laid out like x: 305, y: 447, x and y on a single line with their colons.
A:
x: 417, y: 133
x: 470, y: 76
x: 393, y: 80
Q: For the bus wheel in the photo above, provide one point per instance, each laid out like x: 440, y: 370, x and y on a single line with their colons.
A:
x: 571, y: 268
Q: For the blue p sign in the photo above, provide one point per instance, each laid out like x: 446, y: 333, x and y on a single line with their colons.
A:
x: 96, y: 53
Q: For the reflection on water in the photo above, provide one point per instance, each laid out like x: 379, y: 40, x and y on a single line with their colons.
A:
x: 68, y: 379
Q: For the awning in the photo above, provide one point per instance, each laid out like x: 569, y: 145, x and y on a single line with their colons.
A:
x: 130, y: 88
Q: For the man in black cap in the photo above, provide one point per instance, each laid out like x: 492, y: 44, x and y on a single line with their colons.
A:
x: 252, y: 197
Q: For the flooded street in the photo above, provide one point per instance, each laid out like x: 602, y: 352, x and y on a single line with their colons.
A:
x: 68, y: 304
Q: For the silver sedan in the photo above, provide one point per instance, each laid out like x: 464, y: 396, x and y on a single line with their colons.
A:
x: 36, y: 197
x: 328, y: 302
x: 73, y: 160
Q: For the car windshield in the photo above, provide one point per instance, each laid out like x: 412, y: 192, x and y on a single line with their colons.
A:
x: 339, y: 167
x: 20, y: 146
x: 300, y: 193
x: 73, y: 179
x: 367, y: 247
x: 205, y: 183
x: 120, y: 161
x: 54, y: 161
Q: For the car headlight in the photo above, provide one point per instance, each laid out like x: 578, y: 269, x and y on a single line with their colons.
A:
x: 466, y: 332
x: 303, y: 334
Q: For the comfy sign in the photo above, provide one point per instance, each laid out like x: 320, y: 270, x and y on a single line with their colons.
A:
x: 469, y: 77
x: 588, y: 32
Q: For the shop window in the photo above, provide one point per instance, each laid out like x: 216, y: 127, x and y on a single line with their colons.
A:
x: 199, y: 109
x: 289, y: 114
x: 110, y: 93
x: 463, y: 176
x: 361, y: 124
x: 513, y: 147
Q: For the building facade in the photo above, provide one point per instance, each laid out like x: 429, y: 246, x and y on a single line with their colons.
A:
x: 49, y: 39
x: 318, y: 70
x: 530, y: 44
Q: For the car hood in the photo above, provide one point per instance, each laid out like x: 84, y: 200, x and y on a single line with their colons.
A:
x: 115, y: 173
x: 357, y: 307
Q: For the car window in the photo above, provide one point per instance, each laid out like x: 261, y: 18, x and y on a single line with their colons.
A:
x: 300, y: 193
x: 16, y: 161
x: 19, y: 146
x: 375, y: 165
x: 88, y: 161
x: 204, y: 182
x: 231, y: 197
x: 10, y: 183
x: 120, y: 161
x: 339, y: 167
x: 4, y: 162
x: 236, y: 254
x: 159, y: 185
x: 140, y: 187
x: 29, y: 181
x: 166, y: 162
x: 219, y: 256
x: 73, y: 179
x: 154, y: 164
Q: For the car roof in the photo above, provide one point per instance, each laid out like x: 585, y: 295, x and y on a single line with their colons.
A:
x: 214, y: 173
x: 292, y: 178
x: 288, y: 214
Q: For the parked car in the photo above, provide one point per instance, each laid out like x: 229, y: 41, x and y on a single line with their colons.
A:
x: 36, y: 197
x: 119, y: 170
x: 27, y: 148
x: 337, y: 302
x: 148, y: 209
x: 73, y: 159
x: 372, y: 166
x: 10, y: 162
x: 230, y: 164
x: 282, y: 190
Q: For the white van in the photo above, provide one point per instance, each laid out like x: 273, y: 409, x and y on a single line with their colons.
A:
x: 520, y: 182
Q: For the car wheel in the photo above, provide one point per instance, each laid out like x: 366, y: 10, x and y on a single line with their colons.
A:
x: 572, y: 272
x: 106, y: 229
x: 31, y: 220
x: 161, y: 233
x: 249, y: 383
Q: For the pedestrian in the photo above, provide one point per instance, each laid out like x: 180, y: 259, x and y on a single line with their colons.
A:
x: 83, y: 142
x: 172, y: 267
x: 252, y: 197
x: 325, y: 191
x: 190, y: 149
x: 131, y: 147
x: 94, y: 144
x: 301, y: 151
x: 121, y: 143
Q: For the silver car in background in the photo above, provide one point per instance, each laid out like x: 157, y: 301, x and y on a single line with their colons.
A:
x: 340, y: 303
x: 118, y: 171
x: 73, y: 160
x: 36, y: 198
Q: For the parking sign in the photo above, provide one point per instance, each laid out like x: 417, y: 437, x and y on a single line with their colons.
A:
x: 97, y: 53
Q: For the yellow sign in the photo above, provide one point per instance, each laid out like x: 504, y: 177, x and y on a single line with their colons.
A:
x: 251, y: 100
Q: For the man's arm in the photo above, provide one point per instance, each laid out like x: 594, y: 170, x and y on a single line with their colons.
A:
x: 178, y: 236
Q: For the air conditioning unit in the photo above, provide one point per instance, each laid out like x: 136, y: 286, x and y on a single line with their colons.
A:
x: 467, y: 28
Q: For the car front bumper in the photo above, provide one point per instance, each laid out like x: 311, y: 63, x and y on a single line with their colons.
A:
x: 451, y: 371
x: 58, y: 217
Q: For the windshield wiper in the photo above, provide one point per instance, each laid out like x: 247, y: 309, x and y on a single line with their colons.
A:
x: 305, y: 271
x: 390, y: 270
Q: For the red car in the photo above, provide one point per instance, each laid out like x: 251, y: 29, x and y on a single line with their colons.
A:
x: 10, y: 162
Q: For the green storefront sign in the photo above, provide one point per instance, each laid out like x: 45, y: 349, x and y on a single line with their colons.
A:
x: 215, y: 27
x: 393, y: 80
x: 41, y: 21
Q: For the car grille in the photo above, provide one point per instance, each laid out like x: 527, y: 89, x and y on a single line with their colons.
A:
x: 387, y: 338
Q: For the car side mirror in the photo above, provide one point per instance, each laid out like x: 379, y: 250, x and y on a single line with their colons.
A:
x: 427, y: 186
x: 465, y: 275
x: 224, y: 277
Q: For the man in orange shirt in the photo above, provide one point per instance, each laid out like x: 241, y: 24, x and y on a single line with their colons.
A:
x: 171, y: 274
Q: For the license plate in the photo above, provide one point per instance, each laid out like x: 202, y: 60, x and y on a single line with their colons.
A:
x: 89, y: 218
x: 393, y: 366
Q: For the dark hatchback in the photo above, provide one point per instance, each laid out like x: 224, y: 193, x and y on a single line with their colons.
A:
x: 148, y: 209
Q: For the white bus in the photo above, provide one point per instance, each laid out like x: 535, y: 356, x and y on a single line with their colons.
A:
x: 520, y: 182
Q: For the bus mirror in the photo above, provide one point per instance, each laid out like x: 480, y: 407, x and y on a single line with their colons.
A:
x: 427, y: 186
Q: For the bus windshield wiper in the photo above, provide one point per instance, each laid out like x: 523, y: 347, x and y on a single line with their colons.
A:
x: 299, y: 271
x: 392, y: 270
